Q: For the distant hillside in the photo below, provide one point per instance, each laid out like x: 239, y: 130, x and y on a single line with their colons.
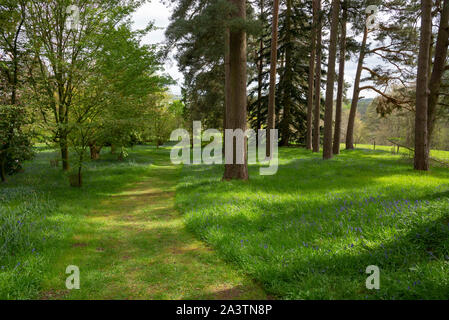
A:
x: 362, y: 107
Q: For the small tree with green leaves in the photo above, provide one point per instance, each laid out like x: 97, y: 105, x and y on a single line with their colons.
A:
x: 15, y: 140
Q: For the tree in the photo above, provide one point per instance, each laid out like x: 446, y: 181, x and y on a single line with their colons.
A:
x: 272, y: 95
x: 311, y: 78
x: 123, y: 88
x: 439, y: 67
x: 15, y: 140
x: 356, y: 93
x: 64, y: 53
x: 317, y: 109
x: 236, y: 108
x: 327, y: 145
x: 422, y: 88
x: 341, y: 80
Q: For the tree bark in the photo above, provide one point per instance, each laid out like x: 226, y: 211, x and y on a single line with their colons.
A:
x: 236, y: 113
x: 341, y: 81
x: 94, y: 152
x: 273, y: 66
x: 227, y: 85
x: 317, y: 110
x: 438, y: 70
x: 260, y: 78
x: 64, y: 152
x: 328, y: 114
x: 286, y: 118
x: 3, y: 169
x: 355, y: 96
x: 422, y: 88
x: 311, y: 79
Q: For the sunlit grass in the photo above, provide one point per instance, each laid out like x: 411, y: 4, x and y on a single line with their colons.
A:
x: 121, y: 229
x: 310, y: 231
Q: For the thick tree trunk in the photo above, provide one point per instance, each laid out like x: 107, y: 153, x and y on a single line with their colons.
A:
x: 341, y: 81
x: 113, y: 149
x: 311, y: 79
x: 317, y: 109
x: 286, y: 118
x: 236, y: 114
x: 422, y: 88
x: 273, y: 66
x: 328, y: 114
x: 355, y: 96
x: 438, y: 70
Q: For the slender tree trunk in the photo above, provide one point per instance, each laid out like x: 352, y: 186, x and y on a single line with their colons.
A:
x: 236, y: 113
x: 341, y: 81
x: 286, y: 118
x: 260, y: 78
x: 64, y: 152
x: 227, y: 110
x: 317, y: 109
x: 438, y: 70
x: 311, y: 79
x: 355, y: 96
x: 328, y: 115
x: 272, y: 94
x: 422, y: 88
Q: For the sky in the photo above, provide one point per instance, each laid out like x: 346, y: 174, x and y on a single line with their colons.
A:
x: 159, y: 13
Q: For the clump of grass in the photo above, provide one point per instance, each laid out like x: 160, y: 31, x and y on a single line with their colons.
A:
x: 24, y: 231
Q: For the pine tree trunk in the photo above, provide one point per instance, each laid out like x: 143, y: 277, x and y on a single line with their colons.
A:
x: 422, y: 88
x: 341, y: 81
x: 236, y: 113
x: 260, y: 78
x: 227, y: 111
x: 286, y: 118
x: 438, y: 70
x: 311, y: 79
x: 273, y: 66
x: 317, y: 109
x: 355, y: 96
x: 328, y: 115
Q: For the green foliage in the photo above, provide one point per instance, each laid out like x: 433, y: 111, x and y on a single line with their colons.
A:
x: 15, y: 139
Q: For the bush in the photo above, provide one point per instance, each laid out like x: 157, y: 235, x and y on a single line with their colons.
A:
x: 15, y: 143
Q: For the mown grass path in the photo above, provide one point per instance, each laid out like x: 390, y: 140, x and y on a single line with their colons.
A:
x: 135, y: 246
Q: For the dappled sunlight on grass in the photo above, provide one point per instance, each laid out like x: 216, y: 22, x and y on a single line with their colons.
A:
x: 311, y: 230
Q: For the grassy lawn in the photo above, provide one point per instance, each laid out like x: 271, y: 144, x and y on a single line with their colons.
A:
x: 310, y: 231
x: 121, y: 229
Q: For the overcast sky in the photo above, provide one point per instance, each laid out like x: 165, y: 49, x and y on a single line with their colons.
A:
x: 159, y: 14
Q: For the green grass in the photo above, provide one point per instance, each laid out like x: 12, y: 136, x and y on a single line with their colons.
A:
x: 311, y: 230
x: 121, y: 229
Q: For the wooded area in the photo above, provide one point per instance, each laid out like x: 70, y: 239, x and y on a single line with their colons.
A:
x: 357, y: 91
